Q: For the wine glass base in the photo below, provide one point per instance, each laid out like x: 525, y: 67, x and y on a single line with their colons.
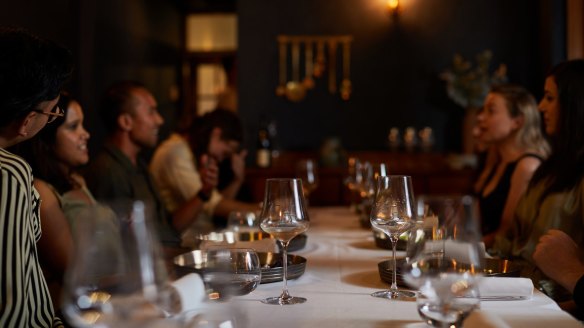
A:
x: 401, y: 295
x: 284, y: 301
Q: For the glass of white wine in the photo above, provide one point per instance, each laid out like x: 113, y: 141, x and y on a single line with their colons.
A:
x: 284, y: 216
x: 393, y: 214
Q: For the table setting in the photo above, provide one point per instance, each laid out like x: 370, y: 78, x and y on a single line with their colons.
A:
x: 336, y: 275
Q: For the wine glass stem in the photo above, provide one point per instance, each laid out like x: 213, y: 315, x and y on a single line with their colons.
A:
x: 393, y: 287
x: 285, y: 295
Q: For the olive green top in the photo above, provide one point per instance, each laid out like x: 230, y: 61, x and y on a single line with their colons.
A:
x: 563, y: 211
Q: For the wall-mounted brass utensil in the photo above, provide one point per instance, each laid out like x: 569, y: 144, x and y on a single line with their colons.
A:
x: 308, y: 63
x: 346, y: 87
x: 295, y: 90
x: 281, y: 88
x: 319, y: 65
x: 332, y: 78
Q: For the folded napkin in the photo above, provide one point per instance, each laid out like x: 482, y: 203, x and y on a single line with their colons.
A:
x: 482, y: 319
x: 503, y: 287
x: 262, y: 245
x: 190, y: 290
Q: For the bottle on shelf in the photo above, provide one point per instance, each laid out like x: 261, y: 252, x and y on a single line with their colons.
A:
x: 264, y: 148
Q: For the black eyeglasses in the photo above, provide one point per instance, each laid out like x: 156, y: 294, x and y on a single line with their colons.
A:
x: 53, y: 114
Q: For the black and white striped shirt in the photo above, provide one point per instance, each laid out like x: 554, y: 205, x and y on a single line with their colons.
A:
x: 24, y: 295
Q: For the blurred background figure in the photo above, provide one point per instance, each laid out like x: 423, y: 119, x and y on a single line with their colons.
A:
x: 32, y: 73
x: 177, y: 163
x: 554, y: 198
x: 54, y: 155
x: 508, y: 127
x: 561, y: 259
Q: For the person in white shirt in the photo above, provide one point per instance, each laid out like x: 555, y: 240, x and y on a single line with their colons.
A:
x: 175, y: 165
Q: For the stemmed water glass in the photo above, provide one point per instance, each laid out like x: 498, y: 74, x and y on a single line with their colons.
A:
x: 307, y: 171
x: 117, y: 276
x: 284, y: 216
x: 445, y: 259
x: 393, y: 213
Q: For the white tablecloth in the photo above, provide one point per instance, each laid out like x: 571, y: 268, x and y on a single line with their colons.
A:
x: 341, y: 274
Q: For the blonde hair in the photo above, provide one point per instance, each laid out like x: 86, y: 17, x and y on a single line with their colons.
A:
x: 521, y: 103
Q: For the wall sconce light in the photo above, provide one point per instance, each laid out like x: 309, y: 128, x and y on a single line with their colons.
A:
x: 393, y: 7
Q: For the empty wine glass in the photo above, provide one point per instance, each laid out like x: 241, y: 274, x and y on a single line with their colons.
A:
x: 445, y: 259
x: 307, y: 170
x: 117, y: 276
x: 230, y: 272
x: 242, y: 221
x: 284, y: 216
x: 393, y: 213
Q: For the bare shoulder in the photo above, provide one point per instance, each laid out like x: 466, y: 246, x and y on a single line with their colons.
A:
x: 526, y: 167
x: 45, y: 190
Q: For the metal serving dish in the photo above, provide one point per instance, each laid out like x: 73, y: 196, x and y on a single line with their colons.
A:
x: 493, y: 268
x: 231, y: 237
x: 271, y: 264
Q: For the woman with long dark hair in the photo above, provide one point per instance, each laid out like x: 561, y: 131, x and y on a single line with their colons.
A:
x: 555, y: 198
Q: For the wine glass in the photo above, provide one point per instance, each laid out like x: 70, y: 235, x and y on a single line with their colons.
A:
x: 284, y: 216
x: 393, y: 214
x: 307, y: 170
x: 230, y: 272
x: 445, y: 259
x: 242, y: 221
x: 117, y: 276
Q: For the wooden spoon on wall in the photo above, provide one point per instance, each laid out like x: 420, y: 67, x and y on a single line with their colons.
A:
x: 308, y: 80
x: 346, y: 87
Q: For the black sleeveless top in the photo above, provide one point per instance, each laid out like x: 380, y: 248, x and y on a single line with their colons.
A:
x: 492, y: 205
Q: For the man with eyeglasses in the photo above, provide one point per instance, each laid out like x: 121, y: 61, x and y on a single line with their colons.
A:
x: 32, y: 73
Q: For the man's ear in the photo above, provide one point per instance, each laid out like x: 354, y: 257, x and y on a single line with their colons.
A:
x: 125, y: 122
x: 25, y: 123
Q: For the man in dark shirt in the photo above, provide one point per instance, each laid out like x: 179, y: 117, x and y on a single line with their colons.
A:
x: 118, y: 174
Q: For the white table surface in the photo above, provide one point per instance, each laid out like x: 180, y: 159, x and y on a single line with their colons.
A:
x: 340, y: 275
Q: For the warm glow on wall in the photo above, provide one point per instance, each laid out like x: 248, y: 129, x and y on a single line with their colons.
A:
x: 392, y: 6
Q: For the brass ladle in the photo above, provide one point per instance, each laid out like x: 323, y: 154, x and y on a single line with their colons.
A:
x: 295, y: 91
x: 281, y: 88
x: 308, y: 80
x: 332, y: 82
x: 319, y: 65
x: 346, y: 87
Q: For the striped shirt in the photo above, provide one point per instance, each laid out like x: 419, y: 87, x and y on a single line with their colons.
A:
x: 24, y: 295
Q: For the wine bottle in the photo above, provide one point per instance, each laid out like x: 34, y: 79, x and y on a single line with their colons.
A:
x: 264, y: 148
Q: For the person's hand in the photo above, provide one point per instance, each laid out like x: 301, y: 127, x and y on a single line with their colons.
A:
x: 209, y: 172
x: 238, y: 164
x: 559, y: 257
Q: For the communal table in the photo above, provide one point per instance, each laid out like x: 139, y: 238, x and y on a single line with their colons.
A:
x: 341, y: 273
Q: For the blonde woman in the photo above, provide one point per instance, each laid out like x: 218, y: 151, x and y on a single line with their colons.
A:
x: 509, y: 124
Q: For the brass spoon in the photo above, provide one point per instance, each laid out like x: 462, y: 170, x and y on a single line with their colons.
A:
x: 319, y: 65
x: 346, y: 87
x: 308, y: 80
x: 295, y: 91
x: 332, y: 82
x: 281, y: 89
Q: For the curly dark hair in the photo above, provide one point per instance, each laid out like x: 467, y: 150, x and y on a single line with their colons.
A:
x: 564, y: 169
x: 39, y: 151
x: 200, y: 131
x: 32, y: 70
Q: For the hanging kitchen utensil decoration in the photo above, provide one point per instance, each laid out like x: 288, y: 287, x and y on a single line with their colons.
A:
x: 319, y: 65
x: 281, y: 89
x: 346, y: 87
x: 295, y: 90
x: 315, y: 64
x: 332, y: 78
x: 308, y: 64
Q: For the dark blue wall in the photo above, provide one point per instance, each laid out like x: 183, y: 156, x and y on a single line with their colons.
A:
x: 395, y: 63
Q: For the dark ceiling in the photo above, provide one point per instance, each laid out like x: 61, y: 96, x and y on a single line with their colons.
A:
x: 206, y: 6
